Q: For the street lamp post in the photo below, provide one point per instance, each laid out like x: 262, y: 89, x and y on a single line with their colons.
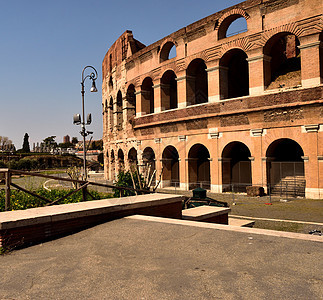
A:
x: 77, y: 118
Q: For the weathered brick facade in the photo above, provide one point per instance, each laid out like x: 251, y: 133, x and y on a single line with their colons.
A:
x: 227, y: 111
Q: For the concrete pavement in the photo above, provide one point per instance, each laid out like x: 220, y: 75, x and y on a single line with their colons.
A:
x: 137, y: 259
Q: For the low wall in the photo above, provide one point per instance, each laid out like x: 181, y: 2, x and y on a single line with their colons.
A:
x: 24, y: 227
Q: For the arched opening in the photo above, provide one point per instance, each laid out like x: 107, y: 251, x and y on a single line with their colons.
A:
x: 110, y: 83
x: 199, y: 167
x: 236, y: 167
x: 321, y: 56
x: 132, y: 157
x: 112, y: 165
x: 111, y: 114
x: 197, y: 85
x: 234, y: 74
x: 147, y: 92
x: 149, y: 172
x: 120, y: 160
x: 285, y: 168
x: 170, y: 160
x: 283, y: 67
x: 105, y: 107
x: 168, y: 90
x: 131, y: 99
x: 232, y: 25
x: 168, y: 51
x: 237, y: 26
x: 119, y: 111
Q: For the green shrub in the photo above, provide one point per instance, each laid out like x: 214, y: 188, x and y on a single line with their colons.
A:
x: 124, y: 180
x: 21, y: 200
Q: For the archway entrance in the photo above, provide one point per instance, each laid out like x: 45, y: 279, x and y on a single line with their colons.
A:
x: 199, y: 167
x: 120, y: 160
x: 170, y: 161
x: 112, y: 166
x: 149, y: 170
x: 285, y: 168
x: 236, y: 167
x: 132, y: 157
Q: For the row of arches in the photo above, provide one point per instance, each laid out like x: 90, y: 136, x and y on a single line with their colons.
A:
x: 284, y: 165
x: 281, y: 63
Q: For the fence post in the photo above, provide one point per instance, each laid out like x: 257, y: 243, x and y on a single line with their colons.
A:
x: 84, y: 193
x: 8, y: 192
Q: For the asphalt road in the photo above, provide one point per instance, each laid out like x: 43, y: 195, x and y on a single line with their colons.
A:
x: 136, y: 259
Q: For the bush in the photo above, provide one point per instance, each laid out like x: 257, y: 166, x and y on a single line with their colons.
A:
x: 21, y: 200
x: 3, y: 164
x: 124, y: 180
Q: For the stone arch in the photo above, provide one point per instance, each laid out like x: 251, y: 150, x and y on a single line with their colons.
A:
x: 197, y: 82
x: 285, y: 168
x: 167, y: 50
x: 112, y: 165
x: 236, y: 167
x: 170, y: 163
x: 227, y: 19
x: 111, y: 114
x: 119, y: 111
x: 147, y: 99
x: 131, y: 100
x: 110, y: 83
x: 199, y: 167
x: 234, y: 74
x: 120, y: 160
x: 169, y: 90
x: 133, y: 156
x: 282, y: 61
x: 149, y: 161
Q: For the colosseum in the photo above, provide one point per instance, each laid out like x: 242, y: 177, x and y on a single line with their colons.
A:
x: 207, y: 107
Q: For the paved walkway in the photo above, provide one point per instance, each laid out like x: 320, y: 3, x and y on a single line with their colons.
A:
x: 137, y: 259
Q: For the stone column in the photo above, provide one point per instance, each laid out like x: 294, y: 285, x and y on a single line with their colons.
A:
x: 158, y: 107
x: 181, y: 91
x: 213, y: 78
x: 310, y: 60
x: 257, y: 77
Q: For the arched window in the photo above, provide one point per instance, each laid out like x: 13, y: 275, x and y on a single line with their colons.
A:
x: 170, y: 160
x: 197, y: 85
x: 234, y: 74
x: 112, y: 166
x: 132, y: 156
x: 283, y: 68
x: 169, y: 90
x: 148, y: 157
x: 285, y: 168
x: 131, y: 99
x: 121, y: 160
x: 233, y: 24
x: 119, y: 111
x: 111, y: 113
x: 236, y: 167
x: 199, y: 167
x: 168, y: 51
x: 110, y: 83
x: 147, y: 92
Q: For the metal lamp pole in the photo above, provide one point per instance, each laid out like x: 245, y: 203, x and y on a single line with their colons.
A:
x: 93, y: 76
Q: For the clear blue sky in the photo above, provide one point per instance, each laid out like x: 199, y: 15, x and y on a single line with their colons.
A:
x: 44, y: 46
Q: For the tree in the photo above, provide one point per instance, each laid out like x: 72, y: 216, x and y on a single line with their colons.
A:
x: 74, y: 140
x: 25, y: 145
x: 50, y: 141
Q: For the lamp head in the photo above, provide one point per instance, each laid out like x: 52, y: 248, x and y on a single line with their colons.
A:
x: 93, y: 88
